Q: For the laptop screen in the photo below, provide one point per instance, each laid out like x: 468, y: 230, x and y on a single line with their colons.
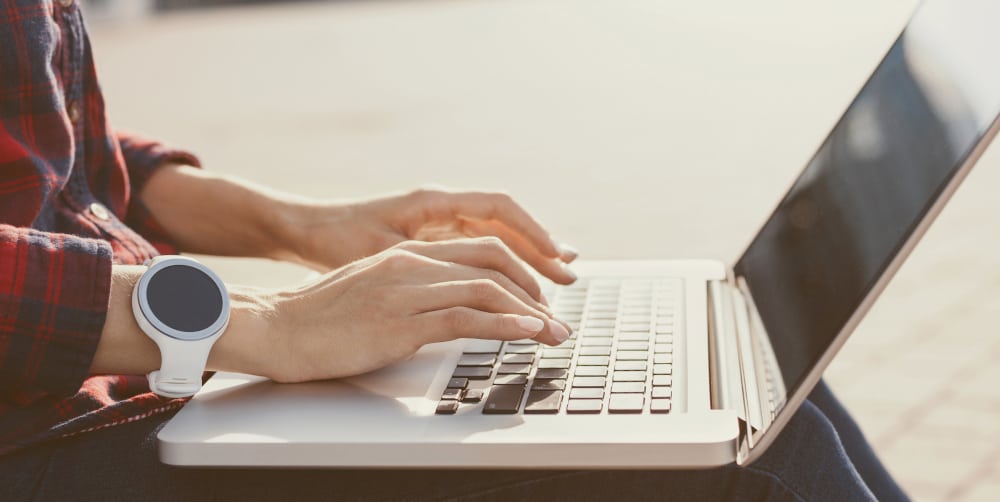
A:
x: 909, y: 130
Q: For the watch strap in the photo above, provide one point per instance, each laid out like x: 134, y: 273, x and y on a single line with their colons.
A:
x: 182, y: 366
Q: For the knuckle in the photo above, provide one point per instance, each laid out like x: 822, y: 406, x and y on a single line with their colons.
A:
x: 484, y: 290
x: 399, y: 257
x: 425, y: 192
x: 492, y: 245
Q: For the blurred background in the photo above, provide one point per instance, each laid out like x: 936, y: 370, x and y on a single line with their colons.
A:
x: 647, y: 129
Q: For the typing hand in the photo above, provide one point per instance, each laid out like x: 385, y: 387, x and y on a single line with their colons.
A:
x: 331, y: 235
x: 382, y: 309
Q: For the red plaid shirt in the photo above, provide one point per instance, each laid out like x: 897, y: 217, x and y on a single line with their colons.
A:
x: 68, y: 210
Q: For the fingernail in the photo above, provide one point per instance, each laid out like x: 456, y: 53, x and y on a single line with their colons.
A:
x: 568, y: 271
x: 530, y: 324
x: 560, y: 333
x: 569, y: 253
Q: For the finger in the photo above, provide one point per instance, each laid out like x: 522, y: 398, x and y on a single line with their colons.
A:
x: 464, y: 322
x: 488, y: 253
x: 554, y: 269
x: 483, y: 295
x: 435, y: 271
x: 495, y: 206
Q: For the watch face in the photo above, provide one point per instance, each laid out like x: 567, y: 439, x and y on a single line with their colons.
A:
x: 184, y: 298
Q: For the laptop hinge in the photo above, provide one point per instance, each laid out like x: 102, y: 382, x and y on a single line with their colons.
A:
x: 734, y: 378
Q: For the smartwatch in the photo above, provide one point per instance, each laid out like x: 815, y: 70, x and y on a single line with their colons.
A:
x: 184, y: 308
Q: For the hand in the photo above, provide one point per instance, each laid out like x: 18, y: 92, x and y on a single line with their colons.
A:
x: 331, y: 235
x: 382, y: 309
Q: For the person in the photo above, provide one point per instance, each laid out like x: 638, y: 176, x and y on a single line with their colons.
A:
x: 82, y: 206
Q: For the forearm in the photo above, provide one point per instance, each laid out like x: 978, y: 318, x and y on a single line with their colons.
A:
x: 125, y: 349
x: 213, y: 214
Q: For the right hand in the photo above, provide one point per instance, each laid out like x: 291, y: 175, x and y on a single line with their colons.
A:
x: 382, y: 309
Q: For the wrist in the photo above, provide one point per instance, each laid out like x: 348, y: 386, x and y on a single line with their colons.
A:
x: 245, y: 345
x: 304, y: 228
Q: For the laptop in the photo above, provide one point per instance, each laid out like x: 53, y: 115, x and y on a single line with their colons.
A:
x: 673, y: 363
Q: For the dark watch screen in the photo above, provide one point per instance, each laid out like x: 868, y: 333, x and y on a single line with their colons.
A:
x: 184, y: 298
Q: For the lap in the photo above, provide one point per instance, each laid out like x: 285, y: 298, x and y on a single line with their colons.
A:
x: 806, y: 463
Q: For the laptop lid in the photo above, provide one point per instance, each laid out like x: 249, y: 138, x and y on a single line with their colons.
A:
x: 871, y: 190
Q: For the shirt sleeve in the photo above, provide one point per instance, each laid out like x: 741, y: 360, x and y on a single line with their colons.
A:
x: 142, y: 158
x: 54, y: 293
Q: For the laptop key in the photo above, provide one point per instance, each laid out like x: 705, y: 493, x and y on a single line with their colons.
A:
x: 602, y: 315
x: 557, y: 353
x: 663, y: 358
x: 662, y: 381
x: 551, y: 374
x: 543, y: 401
x: 593, y: 361
x: 548, y: 385
x: 634, y: 328
x: 598, y: 332
x: 584, y: 406
x: 521, y: 349
x: 447, y: 408
x: 514, y: 369
x: 633, y: 345
x: 628, y: 388
x: 524, y: 341
x: 458, y: 383
x: 510, y: 380
x: 659, y: 406
x: 596, y: 342
x: 472, y: 396
x: 631, y: 355
x: 586, y: 393
x: 452, y: 394
x: 634, y: 337
x: 600, y: 323
x: 553, y: 364
x: 589, y: 382
x: 477, y: 360
x: 518, y: 358
x: 629, y: 376
x: 473, y: 372
x: 662, y: 392
x: 477, y: 346
x: 591, y: 371
x: 663, y: 369
x: 630, y: 365
x: 503, y: 400
x: 626, y: 403
x: 595, y: 351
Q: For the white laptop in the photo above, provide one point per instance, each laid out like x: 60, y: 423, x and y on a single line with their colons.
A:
x: 673, y: 364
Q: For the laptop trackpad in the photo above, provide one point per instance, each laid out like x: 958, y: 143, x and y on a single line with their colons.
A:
x: 248, y: 405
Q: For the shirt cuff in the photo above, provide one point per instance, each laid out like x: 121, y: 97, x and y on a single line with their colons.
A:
x: 54, y: 293
x: 143, y: 157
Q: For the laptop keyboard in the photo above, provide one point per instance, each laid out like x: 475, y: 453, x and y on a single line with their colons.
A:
x: 619, y: 358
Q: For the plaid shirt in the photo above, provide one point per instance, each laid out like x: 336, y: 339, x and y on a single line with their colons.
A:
x: 68, y: 211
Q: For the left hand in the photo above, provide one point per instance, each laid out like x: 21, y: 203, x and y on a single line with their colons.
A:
x: 327, y: 236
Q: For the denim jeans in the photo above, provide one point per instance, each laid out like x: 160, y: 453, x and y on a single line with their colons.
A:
x: 820, y: 455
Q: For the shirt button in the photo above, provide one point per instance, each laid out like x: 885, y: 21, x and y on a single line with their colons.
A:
x: 65, y: 3
x: 73, y: 110
x: 99, y: 211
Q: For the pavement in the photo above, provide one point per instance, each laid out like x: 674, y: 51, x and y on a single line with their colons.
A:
x: 652, y: 129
